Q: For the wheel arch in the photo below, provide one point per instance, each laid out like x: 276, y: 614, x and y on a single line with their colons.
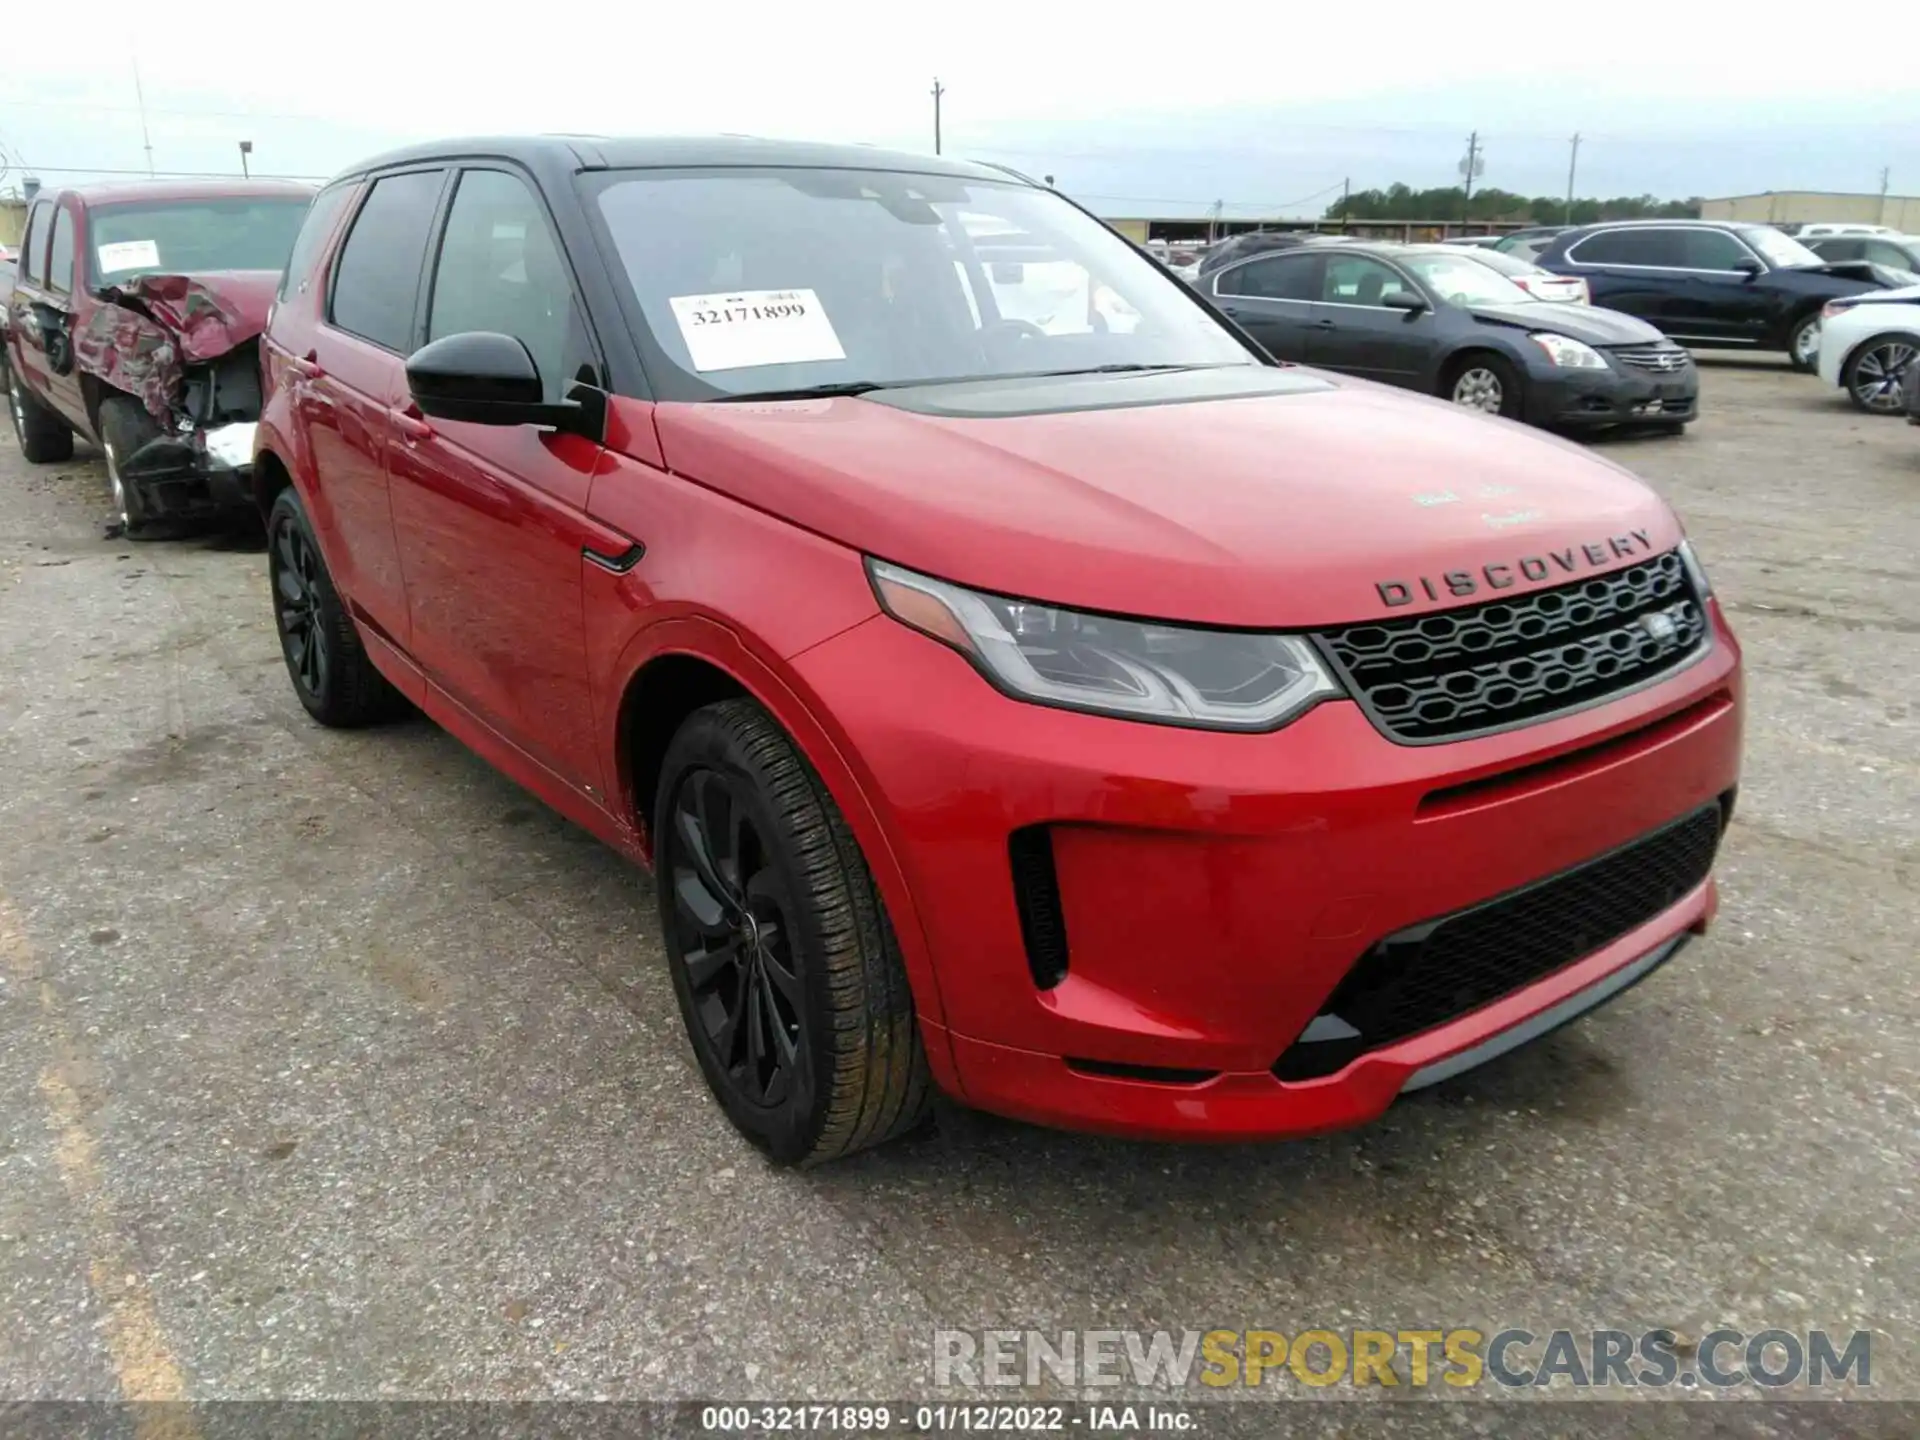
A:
x: 678, y: 665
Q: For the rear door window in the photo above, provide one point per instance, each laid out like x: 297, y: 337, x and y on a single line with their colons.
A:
x: 377, y: 280
x: 1278, y: 277
x: 315, y: 231
x: 1659, y: 249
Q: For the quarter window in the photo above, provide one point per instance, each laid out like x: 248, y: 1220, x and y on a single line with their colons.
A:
x: 500, y: 270
x: 378, y: 277
x: 1283, y: 277
x: 312, y: 239
x: 60, y: 251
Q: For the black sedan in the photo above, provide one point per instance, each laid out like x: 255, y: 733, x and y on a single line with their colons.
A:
x: 1435, y: 319
x: 1713, y: 284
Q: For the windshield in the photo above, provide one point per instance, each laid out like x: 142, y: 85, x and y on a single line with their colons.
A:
x: 751, y: 280
x: 1778, y: 249
x: 189, y: 237
x: 1464, y: 281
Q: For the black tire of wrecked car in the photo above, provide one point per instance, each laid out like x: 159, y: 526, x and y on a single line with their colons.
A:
x: 44, y: 437
x: 125, y: 426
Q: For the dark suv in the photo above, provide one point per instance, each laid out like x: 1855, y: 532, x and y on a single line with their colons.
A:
x: 1709, y: 285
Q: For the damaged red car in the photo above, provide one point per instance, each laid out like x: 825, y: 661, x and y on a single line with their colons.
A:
x: 134, y: 323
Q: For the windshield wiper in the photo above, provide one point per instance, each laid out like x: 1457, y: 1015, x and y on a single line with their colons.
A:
x: 808, y: 392
x: 1110, y: 370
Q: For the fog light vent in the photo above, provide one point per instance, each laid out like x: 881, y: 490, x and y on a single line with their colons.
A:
x: 1036, y: 893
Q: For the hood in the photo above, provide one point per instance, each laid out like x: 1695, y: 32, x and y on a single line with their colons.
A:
x: 141, y: 335
x: 1591, y: 323
x: 1328, y: 505
x: 209, y: 314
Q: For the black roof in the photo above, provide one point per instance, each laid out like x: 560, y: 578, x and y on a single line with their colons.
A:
x: 601, y: 152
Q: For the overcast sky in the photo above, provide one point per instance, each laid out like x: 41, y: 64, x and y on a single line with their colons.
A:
x: 1266, y: 106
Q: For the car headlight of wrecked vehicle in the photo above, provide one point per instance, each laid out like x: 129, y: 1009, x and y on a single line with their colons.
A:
x: 1135, y: 669
x: 1567, y: 353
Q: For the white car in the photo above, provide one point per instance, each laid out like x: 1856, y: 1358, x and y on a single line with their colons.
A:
x: 1539, y: 283
x: 1841, y: 227
x: 1867, y: 342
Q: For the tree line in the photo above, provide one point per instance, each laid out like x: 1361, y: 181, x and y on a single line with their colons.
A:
x: 1403, y: 202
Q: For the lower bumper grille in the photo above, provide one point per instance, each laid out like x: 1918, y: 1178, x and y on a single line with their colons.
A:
x: 1438, y: 971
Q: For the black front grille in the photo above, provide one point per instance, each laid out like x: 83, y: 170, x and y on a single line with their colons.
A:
x: 1512, y: 662
x: 1431, y: 973
x: 1665, y: 359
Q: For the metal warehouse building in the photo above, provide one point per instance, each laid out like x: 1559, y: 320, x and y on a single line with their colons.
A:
x: 1787, y: 207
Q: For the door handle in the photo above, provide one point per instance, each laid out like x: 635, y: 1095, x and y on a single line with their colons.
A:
x: 412, y: 427
x: 307, y: 366
x: 1322, y: 325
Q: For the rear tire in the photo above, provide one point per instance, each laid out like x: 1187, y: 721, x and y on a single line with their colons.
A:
x: 1485, y: 382
x: 330, y: 669
x: 1874, y: 371
x: 1802, y: 342
x: 125, y: 426
x: 44, y: 437
x: 785, y: 965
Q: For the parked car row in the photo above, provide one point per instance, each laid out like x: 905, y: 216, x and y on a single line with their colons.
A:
x: 1096, y: 721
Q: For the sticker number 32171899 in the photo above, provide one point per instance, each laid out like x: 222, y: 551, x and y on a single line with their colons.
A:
x: 755, y: 327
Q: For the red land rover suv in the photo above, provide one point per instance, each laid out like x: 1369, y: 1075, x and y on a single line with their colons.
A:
x: 1016, y: 682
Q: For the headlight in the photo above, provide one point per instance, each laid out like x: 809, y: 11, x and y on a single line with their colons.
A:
x: 1135, y: 669
x: 1696, y: 572
x: 1569, y: 353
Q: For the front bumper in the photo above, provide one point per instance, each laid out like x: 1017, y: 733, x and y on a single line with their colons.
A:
x: 1590, y: 399
x: 1910, y: 394
x: 204, y: 475
x: 1215, y: 889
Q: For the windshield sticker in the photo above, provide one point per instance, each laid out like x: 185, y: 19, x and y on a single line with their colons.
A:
x: 128, y: 255
x: 755, y: 327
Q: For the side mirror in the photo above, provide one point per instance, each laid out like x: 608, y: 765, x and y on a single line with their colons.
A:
x: 1405, y: 300
x: 485, y: 378
x: 1748, y: 267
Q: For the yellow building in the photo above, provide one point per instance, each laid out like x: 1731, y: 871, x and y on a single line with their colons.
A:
x: 1787, y: 207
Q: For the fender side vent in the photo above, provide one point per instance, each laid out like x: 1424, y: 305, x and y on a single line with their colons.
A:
x: 1036, y: 894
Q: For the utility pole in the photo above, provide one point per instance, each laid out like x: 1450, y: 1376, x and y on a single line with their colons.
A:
x: 140, y: 97
x: 1573, y: 162
x: 246, y: 149
x: 1886, y: 173
x: 1213, y: 217
x: 1470, y: 167
x: 1346, y: 191
x: 938, y: 91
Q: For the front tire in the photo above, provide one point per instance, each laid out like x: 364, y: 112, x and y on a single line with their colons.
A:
x: 1874, y: 372
x: 1803, y: 343
x: 125, y: 426
x: 44, y: 437
x: 329, y: 667
x: 785, y: 965
x: 1486, y: 383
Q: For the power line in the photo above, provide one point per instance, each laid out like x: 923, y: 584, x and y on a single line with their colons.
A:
x: 158, y: 174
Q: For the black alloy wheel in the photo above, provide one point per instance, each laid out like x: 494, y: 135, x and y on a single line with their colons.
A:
x: 295, y: 567
x: 735, y: 937
x: 332, y: 674
x: 787, y: 972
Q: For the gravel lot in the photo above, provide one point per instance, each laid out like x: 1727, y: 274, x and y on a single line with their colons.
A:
x: 334, y: 1065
